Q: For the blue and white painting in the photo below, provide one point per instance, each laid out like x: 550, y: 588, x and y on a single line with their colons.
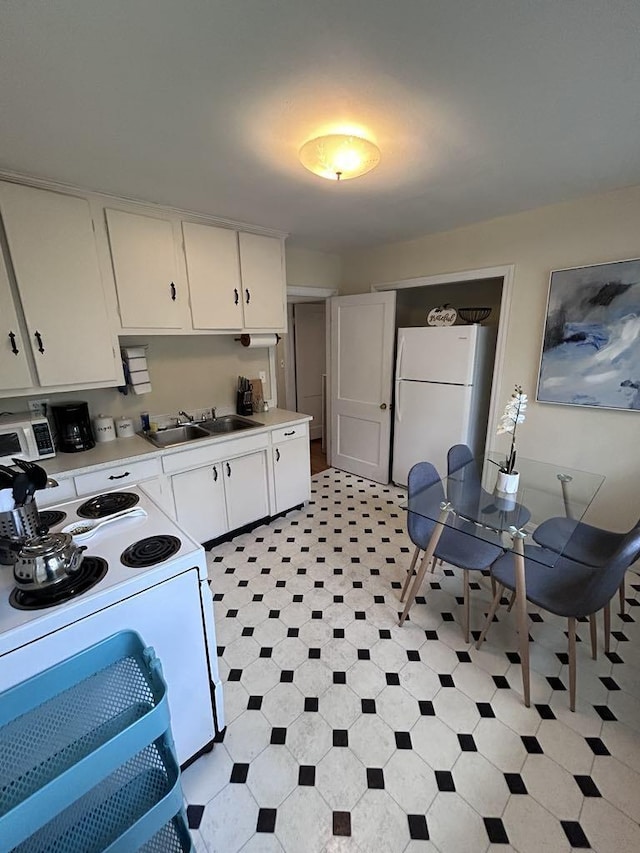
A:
x: 591, y: 348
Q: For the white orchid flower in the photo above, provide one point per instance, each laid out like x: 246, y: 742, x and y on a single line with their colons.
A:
x: 514, y: 414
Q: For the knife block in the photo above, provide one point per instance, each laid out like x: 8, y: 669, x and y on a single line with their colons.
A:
x: 243, y: 403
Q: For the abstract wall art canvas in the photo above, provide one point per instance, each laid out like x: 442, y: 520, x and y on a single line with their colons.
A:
x: 591, y: 346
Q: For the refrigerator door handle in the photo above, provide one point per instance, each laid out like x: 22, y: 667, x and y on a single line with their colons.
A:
x: 399, y: 359
x: 398, y: 405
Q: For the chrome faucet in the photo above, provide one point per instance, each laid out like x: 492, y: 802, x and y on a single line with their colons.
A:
x: 189, y: 418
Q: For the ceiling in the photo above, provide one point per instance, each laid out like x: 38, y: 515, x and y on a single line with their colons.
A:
x: 480, y: 107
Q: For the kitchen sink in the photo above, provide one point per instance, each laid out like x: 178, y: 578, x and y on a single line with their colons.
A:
x: 228, y: 423
x: 204, y: 429
x: 177, y: 435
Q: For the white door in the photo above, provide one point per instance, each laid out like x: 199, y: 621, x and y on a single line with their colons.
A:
x: 245, y: 485
x: 54, y: 256
x: 291, y: 473
x: 144, y: 264
x: 14, y: 365
x: 310, y: 346
x: 263, y: 281
x: 200, y: 503
x: 429, y: 418
x: 213, y: 268
x: 362, y: 332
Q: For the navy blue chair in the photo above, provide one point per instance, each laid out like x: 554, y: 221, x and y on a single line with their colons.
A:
x: 455, y: 547
x: 566, y: 588
x: 583, y: 543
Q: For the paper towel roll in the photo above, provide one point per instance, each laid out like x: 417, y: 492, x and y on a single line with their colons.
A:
x: 255, y: 341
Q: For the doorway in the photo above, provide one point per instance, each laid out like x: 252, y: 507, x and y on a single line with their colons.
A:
x: 302, y: 362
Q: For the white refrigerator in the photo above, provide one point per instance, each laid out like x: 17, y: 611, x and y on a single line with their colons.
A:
x: 442, y: 391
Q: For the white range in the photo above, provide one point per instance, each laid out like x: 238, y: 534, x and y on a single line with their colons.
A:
x: 155, y: 583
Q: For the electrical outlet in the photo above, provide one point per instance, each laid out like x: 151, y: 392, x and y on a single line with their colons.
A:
x: 262, y: 376
x: 39, y: 407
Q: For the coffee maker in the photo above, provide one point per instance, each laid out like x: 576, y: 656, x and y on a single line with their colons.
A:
x: 72, y: 426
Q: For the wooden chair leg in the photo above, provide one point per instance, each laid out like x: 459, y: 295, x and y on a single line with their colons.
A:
x: 594, y: 636
x: 511, y: 602
x: 622, y: 601
x: 492, y: 612
x: 493, y: 586
x: 607, y: 627
x: 434, y: 563
x: 572, y: 663
x: 414, y: 560
x: 465, y: 604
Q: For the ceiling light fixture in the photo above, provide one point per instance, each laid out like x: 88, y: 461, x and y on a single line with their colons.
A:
x: 339, y: 156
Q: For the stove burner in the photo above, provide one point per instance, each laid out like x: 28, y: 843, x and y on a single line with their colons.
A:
x: 106, y: 504
x: 91, y: 571
x: 149, y: 551
x: 51, y: 517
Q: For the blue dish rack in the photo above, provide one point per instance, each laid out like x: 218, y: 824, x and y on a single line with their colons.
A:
x: 87, y: 761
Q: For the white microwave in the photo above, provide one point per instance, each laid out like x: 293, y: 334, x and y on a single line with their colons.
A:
x: 25, y: 437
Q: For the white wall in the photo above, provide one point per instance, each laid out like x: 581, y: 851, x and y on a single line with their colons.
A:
x: 186, y: 372
x: 593, y: 230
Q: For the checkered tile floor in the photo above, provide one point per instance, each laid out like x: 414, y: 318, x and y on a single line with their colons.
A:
x: 347, y: 733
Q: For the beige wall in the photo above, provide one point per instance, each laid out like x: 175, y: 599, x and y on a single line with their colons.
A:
x: 308, y: 268
x: 186, y: 373
x: 593, y: 230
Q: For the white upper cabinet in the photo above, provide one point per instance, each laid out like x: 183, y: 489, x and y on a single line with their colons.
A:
x: 53, y: 252
x: 14, y: 365
x: 263, y: 281
x: 236, y: 280
x: 213, y: 269
x: 143, y: 252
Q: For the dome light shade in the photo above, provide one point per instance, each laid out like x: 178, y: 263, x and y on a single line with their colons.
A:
x: 339, y: 157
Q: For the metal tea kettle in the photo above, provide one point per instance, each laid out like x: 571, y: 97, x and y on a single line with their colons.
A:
x: 44, y: 561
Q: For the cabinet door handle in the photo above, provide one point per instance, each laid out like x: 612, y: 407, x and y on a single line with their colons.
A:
x: 173, y: 291
x: 119, y: 476
x: 215, y: 474
x: 248, y: 295
x: 235, y: 296
x: 277, y: 455
x: 14, y: 348
x: 38, y: 338
x: 293, y: 432
x: 228, y: 470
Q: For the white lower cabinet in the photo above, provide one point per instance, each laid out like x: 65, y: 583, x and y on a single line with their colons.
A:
x: 200, y: 502
x: 245, y: 485
x: 224, y: 496
x: 291, y: 472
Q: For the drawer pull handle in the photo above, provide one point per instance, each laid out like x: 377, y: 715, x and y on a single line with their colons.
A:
x: 293, y: 432
x: 228, y: 470
x: 215, y: 474
x: 119, y: 476
x: 14, y: 348
x: 246, y: 290
x: 173, y: 291
x: 38, y: 338
x: 235, y: 295
x: 277, y: 455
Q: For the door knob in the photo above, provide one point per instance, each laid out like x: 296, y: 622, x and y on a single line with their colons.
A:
x: 383, y: 406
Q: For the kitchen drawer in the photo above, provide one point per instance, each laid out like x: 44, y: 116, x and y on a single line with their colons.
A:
x: 64, y: 491
x: 290, y: 432
x: 210, y: 453
x: 124, y: 474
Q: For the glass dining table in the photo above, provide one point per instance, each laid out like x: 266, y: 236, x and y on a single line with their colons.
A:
x: 467, y: 501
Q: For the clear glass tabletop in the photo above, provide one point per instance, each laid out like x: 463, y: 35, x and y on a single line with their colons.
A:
x: 468, y: 501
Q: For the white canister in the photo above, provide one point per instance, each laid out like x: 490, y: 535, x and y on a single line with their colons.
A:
x: 104, y: 429
x: 124, y: 428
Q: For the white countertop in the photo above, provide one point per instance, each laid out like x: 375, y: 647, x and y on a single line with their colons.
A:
x: 137, y: 447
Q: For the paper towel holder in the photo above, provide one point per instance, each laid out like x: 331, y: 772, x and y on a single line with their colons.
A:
x: 245, y: 340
